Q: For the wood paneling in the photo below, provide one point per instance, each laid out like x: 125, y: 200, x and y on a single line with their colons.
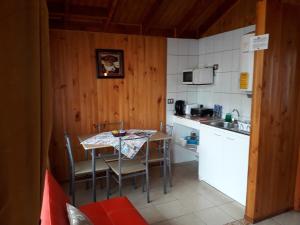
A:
x: 297, y: 188
x: 81, y: 100
x: 242, y: 14
x: 275, y: 127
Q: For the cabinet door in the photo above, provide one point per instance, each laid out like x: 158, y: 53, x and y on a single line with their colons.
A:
x: 216, y: 159
x: 204, y: 146
x: 235, y: 167
x: 210, y: 156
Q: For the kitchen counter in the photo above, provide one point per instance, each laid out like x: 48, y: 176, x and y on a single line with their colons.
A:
x: 198, y: 118
x: 208, y: 120
x: 224, y: 128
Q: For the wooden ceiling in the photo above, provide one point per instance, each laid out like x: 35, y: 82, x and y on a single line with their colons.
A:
x: 170, y: 18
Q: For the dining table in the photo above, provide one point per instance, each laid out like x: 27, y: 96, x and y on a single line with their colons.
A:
x: 155, y: 137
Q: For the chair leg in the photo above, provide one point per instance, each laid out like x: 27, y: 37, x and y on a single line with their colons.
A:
x: 107, y: 184
x: 120, y: 185
x: 143, y: 184
x: 134, y: 182
x: 161, y: 169
x: 147, y: 186
x: 73, y: 190
x: 70, y: 185
x: 169, y: 166
x: 87, y: 183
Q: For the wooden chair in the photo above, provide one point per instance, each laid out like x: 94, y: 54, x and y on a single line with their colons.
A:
x: 130, y: 168
x: 83, y: 169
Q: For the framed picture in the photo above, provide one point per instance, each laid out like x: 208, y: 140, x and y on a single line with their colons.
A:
x: 110, y: 63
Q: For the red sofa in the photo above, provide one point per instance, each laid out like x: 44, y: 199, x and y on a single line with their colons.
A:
x: 115, y: 211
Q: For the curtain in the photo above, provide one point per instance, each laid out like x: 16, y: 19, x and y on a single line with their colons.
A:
x: 26, y: 109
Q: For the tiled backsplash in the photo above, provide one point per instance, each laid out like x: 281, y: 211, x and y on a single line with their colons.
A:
x: 222, y: 49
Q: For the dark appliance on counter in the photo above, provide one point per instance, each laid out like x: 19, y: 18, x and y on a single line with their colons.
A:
x: 180, y: 107
x: 202, y: 112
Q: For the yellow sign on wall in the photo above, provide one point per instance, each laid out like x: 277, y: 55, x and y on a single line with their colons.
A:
x: 244, y: 80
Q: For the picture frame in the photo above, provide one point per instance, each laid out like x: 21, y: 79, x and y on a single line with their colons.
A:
x: 110, y: 63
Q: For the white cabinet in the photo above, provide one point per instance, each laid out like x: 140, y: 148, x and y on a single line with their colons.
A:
x: 223, y: 161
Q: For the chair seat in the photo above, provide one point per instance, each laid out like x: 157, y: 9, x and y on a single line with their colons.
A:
x: 84, y: 167
x: 110, y: 158
x: 154, y: 157
x: 128, y: 166
x: 153, y: 160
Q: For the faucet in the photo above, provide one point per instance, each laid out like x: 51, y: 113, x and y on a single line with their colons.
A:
x: 237, y: 112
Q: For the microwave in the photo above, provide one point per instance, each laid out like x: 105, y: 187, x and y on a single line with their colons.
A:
x: 198, y: 76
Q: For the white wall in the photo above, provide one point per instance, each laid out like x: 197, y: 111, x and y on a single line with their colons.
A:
x: 222, y: 49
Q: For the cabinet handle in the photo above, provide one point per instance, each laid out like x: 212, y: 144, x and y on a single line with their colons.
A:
x: 217, y: 134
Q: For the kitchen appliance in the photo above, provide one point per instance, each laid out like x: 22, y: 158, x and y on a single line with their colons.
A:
x: 198, y: 76
x: 180, y: 107
x: 202, y: 112
x: 246, y: 63
x: 188, y: 108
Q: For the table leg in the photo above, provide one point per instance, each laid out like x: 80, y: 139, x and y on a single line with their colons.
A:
x: 165, y: 167
x: 169, y: 163
x: 94, y: 173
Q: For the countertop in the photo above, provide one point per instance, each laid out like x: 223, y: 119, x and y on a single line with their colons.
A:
x: 208, y: 120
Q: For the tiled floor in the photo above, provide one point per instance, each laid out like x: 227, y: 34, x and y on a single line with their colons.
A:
x: 189, y: 202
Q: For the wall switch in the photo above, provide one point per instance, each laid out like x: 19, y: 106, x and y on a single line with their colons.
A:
x: 170, y: 101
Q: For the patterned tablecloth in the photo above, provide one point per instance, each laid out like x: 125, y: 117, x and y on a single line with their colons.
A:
x: 129, y: 147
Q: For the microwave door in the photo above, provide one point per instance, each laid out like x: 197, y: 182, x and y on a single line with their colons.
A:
x: 187, y: 77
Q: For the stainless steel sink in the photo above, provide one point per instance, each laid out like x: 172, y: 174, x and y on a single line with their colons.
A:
x: 223, y: 124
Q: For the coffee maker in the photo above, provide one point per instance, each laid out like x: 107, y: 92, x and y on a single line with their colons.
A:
x: 180, y: 107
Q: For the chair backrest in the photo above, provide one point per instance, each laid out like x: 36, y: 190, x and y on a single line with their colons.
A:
x: 109, y: 126
x: 54, y: 203
x: 167, y: 128
x: 121, y: 142
x: 69, y: 153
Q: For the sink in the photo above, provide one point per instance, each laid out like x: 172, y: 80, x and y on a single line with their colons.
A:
x: 223, y: 124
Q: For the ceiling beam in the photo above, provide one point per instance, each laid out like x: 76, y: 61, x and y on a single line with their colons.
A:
x: 149, y: 15
x: 190, y: 16
x: 62, y: 9
x: 120, y: 28
x: 216, y: 15
x: 111, y: 12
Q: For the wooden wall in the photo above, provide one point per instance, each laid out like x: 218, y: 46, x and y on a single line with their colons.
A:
x: 81, y: 100
x: 242, y: 14
x: 275, y: 132
x: 297, y: 188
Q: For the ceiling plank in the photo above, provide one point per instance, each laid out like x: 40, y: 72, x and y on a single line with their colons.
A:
x: 216, y: 15
x: 149, y: 15
x: 98, y: 26
x: 111, y: 12
x: 190, y: 16
x: 60, y: 9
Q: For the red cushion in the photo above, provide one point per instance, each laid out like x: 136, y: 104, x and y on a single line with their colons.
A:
x: 54, y: 203
x: 116, y: 211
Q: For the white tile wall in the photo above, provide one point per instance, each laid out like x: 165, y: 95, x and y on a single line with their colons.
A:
x: 222, y: 49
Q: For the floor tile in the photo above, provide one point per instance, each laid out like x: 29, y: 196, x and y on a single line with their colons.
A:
x: 188, y: 202
x: 197, y: 202
x: 171, y: 209
x: 214, y: 216
x: 234, y: 209
x: 289, y: 218
x: 151, y: 214
x: 189, y: 219
x: 217, y: 198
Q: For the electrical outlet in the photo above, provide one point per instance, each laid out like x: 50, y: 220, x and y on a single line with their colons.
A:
x: 170, y: 101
